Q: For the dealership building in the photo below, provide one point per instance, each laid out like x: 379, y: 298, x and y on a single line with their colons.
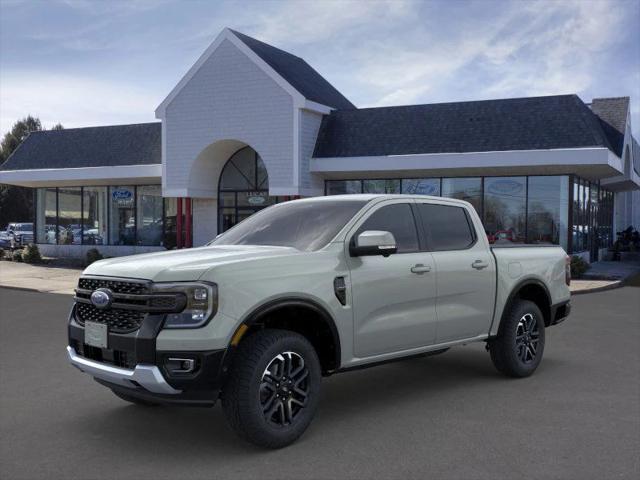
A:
x: 250, y: 125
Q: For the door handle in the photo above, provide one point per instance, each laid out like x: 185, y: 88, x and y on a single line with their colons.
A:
x: 479, y: 264
x: 420, y: 269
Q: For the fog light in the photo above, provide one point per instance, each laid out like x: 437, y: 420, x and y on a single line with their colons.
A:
x: 197, y: 315
x: 181, y: 365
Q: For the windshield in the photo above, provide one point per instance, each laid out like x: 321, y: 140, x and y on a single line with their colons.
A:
x: 306, y: 226
x: 23, y: 227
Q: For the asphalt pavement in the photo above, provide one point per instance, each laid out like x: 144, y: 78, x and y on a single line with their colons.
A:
x: 447, y: 416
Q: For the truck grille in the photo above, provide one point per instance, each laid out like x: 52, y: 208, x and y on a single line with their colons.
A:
x: 116, y: 286
x: 133, y: 300
x: 119, y: 320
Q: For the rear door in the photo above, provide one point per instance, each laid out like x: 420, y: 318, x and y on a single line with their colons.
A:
x: 393, y: 297
x: 466, y: 272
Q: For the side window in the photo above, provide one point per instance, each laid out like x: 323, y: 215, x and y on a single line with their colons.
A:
x: 446, y: 227
x: 397, y: 219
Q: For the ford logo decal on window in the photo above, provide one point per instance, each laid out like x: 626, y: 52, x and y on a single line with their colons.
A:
x: 102, y: 298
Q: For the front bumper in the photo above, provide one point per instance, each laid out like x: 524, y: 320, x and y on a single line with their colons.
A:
x: 143, y: 375
x: 560, y: 312
x: 132, y: 365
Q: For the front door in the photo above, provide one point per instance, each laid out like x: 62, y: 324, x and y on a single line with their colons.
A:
x: 393, y: 297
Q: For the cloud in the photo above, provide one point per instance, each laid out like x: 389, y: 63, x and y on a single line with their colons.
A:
x: 532, y: 48
x: 73, y: 101
x: 295, y: 22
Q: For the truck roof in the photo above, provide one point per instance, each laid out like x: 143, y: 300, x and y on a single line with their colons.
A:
x: 381, y: 196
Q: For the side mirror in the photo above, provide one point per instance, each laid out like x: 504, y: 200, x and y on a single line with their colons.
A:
x: 373, y: 242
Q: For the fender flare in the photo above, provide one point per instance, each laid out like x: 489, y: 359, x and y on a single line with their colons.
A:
x: 259, y: 312
x: 516, y: 289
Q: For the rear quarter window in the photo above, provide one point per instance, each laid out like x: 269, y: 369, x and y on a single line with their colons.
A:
x: 446, y: 227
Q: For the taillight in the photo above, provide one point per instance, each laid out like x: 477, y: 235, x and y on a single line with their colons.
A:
x: 567, y: 270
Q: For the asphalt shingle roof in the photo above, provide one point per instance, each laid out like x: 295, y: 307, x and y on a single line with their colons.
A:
x: 533, y: 123
x: 298, y: 73
x: 613, y: 116
x: 108, y: 146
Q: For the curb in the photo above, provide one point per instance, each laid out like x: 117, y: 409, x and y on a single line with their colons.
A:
x: 613, y: 286
x: 29, y: 289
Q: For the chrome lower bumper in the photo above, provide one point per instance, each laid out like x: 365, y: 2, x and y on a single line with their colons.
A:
x: 144, y: 375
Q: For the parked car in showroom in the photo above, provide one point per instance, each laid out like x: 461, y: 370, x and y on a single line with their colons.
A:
x: 305, y: 289
x: 19, y: 234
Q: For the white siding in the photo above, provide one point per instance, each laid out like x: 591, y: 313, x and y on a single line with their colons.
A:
x: 311, y: 184
x: 205, y: 220
x: 229, y: 97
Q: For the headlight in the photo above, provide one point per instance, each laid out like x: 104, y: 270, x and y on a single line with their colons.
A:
x: 202, y: 303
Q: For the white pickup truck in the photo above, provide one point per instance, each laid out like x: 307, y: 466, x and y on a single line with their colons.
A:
x: 306, y: 289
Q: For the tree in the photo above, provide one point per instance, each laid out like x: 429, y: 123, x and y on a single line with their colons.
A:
x: 16, y: 203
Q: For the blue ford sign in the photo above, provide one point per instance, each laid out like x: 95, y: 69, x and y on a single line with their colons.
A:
x: 102, y: 298
x: 121, y: 194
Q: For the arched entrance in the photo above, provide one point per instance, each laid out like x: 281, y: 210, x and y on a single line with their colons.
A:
x: 243, y: 188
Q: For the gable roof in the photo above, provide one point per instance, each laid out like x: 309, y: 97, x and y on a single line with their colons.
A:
x: 292, y: 73
x: 298, y: 73
x: 612, y: 113
x: 109, y: 146
x: 533, y: 123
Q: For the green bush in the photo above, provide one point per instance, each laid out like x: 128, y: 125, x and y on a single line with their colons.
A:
x: 93, y: 255
x: 31, y: 254
x: 578, y: 266
x: 1, y: 253
x: 16, y: 256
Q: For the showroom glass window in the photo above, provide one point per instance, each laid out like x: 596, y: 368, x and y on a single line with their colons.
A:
x: 341, y: 187
x: 69, y: 216
x: 170, y: 223
x: 46, y: 215
x: 381, y: 186
x: 122, y: 218
x: 421, y: 186
x: 548, y: 210
x: 505, y: 203
x: 94, y: 215
x: 149, y: 215
x: 469, y: 189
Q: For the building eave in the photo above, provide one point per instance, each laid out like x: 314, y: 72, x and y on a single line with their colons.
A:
x: 85, y: 176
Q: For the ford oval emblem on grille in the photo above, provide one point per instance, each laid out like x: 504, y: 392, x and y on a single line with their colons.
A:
x: 102, y: 298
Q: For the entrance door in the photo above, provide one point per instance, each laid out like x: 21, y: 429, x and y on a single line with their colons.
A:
x: 243, y: 189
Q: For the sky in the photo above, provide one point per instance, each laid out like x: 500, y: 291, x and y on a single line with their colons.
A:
x: 101, y: 62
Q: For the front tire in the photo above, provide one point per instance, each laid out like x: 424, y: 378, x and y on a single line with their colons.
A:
x: 273, y: 388
x: 518, y: 348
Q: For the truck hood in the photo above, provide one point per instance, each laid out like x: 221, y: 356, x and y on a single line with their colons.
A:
x: 182, y: 265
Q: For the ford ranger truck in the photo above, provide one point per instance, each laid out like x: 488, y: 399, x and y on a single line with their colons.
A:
x: 306, y: 289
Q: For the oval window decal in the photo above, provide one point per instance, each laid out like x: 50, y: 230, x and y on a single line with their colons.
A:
x: 256, y: 199
x: 505, y: 187
x: 121, y: 194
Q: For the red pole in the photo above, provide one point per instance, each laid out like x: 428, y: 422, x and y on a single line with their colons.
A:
x: 188, y: 243
x: 179, y: 223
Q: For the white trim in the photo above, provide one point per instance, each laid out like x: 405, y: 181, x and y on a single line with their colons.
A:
x: 297, y: 113
x: 163, y: 152
x: 316, y: 107
x: 136, y: 174
x: 227, y: 34
x: 283, y: 191
x: 444, y: 161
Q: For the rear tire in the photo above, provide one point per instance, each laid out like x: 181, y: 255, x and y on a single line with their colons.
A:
x: 273, y: 388
x: 517, y: 350
x: 137, y: 401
